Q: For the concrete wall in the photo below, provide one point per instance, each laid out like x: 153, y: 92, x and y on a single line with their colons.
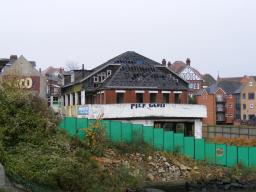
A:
x: 142, y: 110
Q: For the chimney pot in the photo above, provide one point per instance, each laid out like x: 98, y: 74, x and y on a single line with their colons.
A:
x: 169, y: 64
x: 188, y: 61
x: 82, y: 66
x: 163, y: 62
x: 13, y: 57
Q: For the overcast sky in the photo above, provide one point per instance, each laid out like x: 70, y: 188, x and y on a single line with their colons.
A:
x: 217, y: 35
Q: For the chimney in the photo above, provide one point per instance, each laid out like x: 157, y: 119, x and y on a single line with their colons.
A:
x: 40, y: 70
x: 169, y: 64
x: 13, y: 57
x: 82, y: 66
x: 164, y: 62
x: 188, y: 61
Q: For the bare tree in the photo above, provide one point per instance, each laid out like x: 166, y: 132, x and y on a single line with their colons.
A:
x: 72, y: 65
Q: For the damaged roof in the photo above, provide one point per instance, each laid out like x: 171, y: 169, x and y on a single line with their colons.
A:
x: 131, y: 70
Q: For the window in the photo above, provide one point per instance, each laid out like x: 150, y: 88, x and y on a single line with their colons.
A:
x: 139, y: 97
x: 152, y: 97
x: 244, y: 96
x: 120, y: 98
x: 251, y: 116
x: 250, y: 83
x: 244, y: 106
x: 95, y: 79
x: 196, y: 86
x: 79, y: 98
x: 165, y: 97
x: 177, y: 98
x: 73, y: 95
x: 251, y: 96
x: 230, y: 105
x: 68, y: 104
x: 191, y: 85
x: 55, y: 101
x: 251, y: 106
x: 244, y: 117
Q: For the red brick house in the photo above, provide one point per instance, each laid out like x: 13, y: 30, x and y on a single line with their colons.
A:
x: 222, y: 100
x: 190, y: 74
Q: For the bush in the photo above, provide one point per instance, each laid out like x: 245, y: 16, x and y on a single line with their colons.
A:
x: 40, y: 156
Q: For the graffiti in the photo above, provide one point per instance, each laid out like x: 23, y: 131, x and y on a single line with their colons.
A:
x: 149, y: 105
x: 26, y: 83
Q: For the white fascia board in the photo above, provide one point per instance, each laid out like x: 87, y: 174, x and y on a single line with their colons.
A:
x: 177, y: 91
x: 166, y: 91
x: 120, y: 91
x: 153, y: 91
x: 139, y: 91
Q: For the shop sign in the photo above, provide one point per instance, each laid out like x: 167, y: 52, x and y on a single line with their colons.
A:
x: 83, y: 110
x: 147, y: 105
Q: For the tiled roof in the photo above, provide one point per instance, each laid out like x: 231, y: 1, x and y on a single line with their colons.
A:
x: 51, y: 70
x: 230, y: 87
x: 129, y: 57
x: 178, y: 66
x: 8, y: 61
x: 136, y: 75
x: 131, y: 70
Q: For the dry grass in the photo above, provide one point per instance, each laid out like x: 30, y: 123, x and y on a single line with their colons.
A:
x: 233, y: 141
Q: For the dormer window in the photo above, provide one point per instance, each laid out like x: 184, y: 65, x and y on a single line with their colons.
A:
x: 95, y: 79
x: 109, y: 72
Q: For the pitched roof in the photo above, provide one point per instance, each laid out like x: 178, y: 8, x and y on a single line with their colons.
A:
x: 50, y: 70
x: 178, y: 66
x: 139, y: 76
x: 230, y: 87
x: 9, y: 61
x: 132, y: 70
x: 208, y: 80
x: 129, y: 57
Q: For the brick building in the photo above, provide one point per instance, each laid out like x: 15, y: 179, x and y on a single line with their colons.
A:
x: 131, y: 87
x: 54, y: 82
x: 26, y: 73
x: 222, y: 100
x: 248, y: 99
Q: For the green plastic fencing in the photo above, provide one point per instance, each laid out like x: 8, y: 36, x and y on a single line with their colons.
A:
x: 231, y: 156
x: 243, y: 156
x: 168, y: 141
x: 178, y: 142
x: 199, y: 149
x: 126, y: 132
x: 148, y: 135
x: 116, y: 131
x: 252, y: 157
x: 158, y: 138
x: 221, y: 154
x: 210, y: 149
x: 189, y: 147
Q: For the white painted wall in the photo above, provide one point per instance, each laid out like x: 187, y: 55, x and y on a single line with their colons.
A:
x: 111, y: 111
x: 198, y: 129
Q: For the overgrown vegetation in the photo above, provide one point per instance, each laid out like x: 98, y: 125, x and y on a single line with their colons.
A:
x: 234, y: 141
x: 38, y: 155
